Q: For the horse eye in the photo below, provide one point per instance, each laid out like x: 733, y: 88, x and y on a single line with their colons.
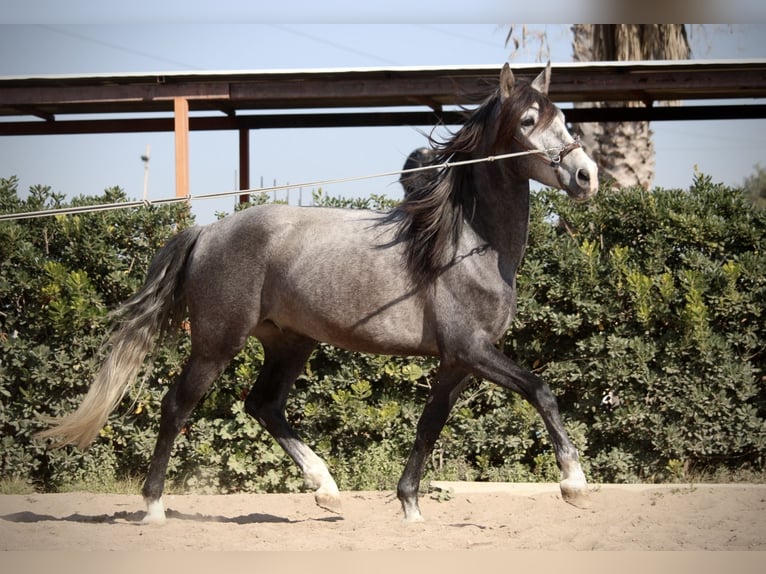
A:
x: 528, y: 122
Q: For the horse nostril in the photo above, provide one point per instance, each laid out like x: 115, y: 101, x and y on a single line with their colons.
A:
x: 583, y: 177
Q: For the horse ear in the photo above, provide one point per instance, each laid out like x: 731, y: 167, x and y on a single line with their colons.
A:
x: 543, y: 80
x: 506, y: 81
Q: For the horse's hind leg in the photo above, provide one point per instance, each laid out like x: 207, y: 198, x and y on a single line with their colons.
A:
x: 284, y: 358
x: 178, y: 403
x: 441, y: 399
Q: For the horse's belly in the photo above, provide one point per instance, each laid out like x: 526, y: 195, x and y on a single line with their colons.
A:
x: 362, y: 322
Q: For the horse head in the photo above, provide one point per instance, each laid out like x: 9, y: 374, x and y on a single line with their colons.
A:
x: 530, y: 121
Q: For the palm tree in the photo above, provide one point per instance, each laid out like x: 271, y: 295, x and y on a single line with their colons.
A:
x: 624, y: 151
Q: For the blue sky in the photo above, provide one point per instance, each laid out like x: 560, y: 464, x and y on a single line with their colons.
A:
x: 727, y: 150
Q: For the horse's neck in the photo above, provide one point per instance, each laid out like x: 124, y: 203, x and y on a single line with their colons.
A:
x: 502, y: 218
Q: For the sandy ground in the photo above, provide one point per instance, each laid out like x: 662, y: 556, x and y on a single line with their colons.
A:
x: 471, y: 517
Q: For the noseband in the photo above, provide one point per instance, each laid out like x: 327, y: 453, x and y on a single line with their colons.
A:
x: 554, y: 160
x: 561, y: 154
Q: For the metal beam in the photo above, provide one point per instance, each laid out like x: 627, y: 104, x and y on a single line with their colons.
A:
x: 366, y: 88
x: 369, y: 119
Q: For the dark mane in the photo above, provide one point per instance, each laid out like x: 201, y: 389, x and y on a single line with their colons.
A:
x: 430, y: 218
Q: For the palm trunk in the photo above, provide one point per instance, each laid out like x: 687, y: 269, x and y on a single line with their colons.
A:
x: 624, y: 151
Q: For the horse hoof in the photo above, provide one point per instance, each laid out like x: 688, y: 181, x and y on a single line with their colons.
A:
x: 328, y: 501
x: 413, y: 519
x: 577, y: 497
x: 153, y: 520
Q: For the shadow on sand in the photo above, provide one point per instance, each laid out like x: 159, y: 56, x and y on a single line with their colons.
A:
x: 136, y: 517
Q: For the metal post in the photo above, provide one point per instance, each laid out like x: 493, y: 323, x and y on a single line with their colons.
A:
x: 181, y: 127
x: 244, y: 163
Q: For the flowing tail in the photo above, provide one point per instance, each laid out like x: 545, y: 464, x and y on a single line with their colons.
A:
x: 156, y: 309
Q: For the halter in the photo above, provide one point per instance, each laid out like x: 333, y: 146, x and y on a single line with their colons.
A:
x: 554, y: 160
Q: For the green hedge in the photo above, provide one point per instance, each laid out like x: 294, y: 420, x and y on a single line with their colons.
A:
x: 657, y: 298
x: 654, y: 300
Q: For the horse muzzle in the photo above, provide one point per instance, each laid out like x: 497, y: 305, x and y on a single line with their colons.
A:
x: 578, y: 176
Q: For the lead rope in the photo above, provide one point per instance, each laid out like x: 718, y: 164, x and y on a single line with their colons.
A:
x: 559, y: 151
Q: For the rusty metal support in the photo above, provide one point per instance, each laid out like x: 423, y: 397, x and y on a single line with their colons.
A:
x: 181, y: 128
x: 244, y: 163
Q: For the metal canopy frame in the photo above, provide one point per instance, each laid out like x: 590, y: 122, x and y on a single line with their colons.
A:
x: 248, y: 100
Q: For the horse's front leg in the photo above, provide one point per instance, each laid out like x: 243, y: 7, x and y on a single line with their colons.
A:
x: 440, y: 401
x: 490, y: 363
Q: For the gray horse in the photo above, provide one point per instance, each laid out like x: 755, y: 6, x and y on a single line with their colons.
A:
x: 435, y: 276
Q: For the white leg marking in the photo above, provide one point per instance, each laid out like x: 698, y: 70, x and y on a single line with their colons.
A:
x: 326, y: 493
x: 155, y: 512
x: 413, y: 516
x: 574, y: 487
x: 573, y: 475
